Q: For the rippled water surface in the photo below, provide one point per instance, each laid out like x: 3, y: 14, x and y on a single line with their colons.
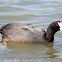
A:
x: 36, y: 12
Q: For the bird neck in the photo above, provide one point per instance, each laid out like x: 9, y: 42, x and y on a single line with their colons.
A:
x: 50, y: 34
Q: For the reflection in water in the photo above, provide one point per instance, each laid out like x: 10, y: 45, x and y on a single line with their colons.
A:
x: 31, y: 50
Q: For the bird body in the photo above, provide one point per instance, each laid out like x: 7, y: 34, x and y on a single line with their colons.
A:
x: 22, y: 32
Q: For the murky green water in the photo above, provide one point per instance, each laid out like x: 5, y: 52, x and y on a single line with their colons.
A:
x: 35, y: 12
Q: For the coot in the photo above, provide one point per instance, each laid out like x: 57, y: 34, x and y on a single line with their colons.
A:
x: 28, y: 33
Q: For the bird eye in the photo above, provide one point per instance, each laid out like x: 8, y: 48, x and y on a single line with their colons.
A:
x: 57, y: 25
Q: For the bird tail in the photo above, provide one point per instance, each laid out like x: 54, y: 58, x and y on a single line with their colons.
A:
x: 1, y: 30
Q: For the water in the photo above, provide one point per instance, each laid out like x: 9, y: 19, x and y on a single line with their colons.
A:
x: 36, y: 12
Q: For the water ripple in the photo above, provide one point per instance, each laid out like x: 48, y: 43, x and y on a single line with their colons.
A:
x: 29, y: 13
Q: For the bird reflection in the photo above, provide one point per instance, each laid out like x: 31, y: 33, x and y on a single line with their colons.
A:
x: 46, y: 49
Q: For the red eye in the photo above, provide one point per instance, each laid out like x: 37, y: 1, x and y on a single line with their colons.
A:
x: 57, y: 25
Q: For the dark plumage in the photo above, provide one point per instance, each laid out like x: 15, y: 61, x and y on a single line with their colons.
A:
x: 28, y: 33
